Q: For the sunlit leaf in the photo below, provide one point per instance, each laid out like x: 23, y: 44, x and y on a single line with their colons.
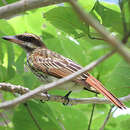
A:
x: 65, y: 19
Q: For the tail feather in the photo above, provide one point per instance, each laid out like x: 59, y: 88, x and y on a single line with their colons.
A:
x: 100, y: 88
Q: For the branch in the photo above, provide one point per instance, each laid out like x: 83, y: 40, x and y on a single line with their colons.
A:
x: 49, y: 86
x: 88, y: 19
x: 41, y: 96
x: 91, y: 117
x: 24, y: 5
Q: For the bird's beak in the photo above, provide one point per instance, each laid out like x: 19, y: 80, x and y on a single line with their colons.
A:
x: 12, y: 39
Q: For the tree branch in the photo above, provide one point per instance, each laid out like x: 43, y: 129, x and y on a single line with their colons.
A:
x: 24, y: 5
x: 49, y: 86
x: 88, y: 19
x: 91, y: 117
x: 41, y: 96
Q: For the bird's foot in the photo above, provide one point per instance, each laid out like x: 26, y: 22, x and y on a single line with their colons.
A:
x: 66, y: 99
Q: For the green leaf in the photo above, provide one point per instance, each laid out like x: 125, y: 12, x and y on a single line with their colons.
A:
x: 97, y: 122
x: 87, y: 5
x: 30, y: 80
x: 119, y: 123
x: 110, y: 15
x: 3, y: 73
x: 69, y: 117
x: 17, y: 79
x: 7, y: 96
x: 41, y: 112
x: 65, y: 19
x: 6, y: 28
x: 2, y: 52
x: 11, y: 1
x: 126, y: 11
x: 18, y: 24
x: 7, y: 49
x: 67, y: 47
x: 124, y: 122
x: 26, y: 79
x: 32, y: 17
x: 5, y: 128
x: 11, y: 73
x: 20, y: 63
x: 10, y: 55
x: 2, y: 3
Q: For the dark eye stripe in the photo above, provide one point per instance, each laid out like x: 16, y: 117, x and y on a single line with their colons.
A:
x: 26, y: 38
x: 30, y: 39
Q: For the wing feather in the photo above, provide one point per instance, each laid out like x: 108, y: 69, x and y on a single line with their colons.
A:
x: 57, y: 66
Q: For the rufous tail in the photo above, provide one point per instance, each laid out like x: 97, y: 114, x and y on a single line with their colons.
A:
x: 93, y: 82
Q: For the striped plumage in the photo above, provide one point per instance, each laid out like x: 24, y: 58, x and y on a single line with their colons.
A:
x: 50, y: 66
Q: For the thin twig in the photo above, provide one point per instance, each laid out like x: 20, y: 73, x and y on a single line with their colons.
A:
x: 31, y: 114
x: 49, y: 86
x: 88, y: 19
x: 91, y: 117
x: 92, y: 37
x: 107, y: 118
x: 95, y: 38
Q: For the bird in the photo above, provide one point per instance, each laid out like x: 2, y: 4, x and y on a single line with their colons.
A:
x: 50, y: 66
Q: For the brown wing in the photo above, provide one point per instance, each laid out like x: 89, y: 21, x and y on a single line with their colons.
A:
x: 52, y: 63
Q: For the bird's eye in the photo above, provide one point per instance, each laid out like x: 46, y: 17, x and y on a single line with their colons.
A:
x: 26, y: 38
x: 30, y: 39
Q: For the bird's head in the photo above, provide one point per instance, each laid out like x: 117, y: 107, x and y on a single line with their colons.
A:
x: 27, y: 41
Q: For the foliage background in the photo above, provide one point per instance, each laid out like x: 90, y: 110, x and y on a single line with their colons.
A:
x: 62, y: 31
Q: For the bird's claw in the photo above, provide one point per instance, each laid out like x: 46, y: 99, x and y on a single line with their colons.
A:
x: 66, y: 99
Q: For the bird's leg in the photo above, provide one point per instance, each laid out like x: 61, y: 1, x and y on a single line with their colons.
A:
x: 90, y: 90
x: 66, y: 98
